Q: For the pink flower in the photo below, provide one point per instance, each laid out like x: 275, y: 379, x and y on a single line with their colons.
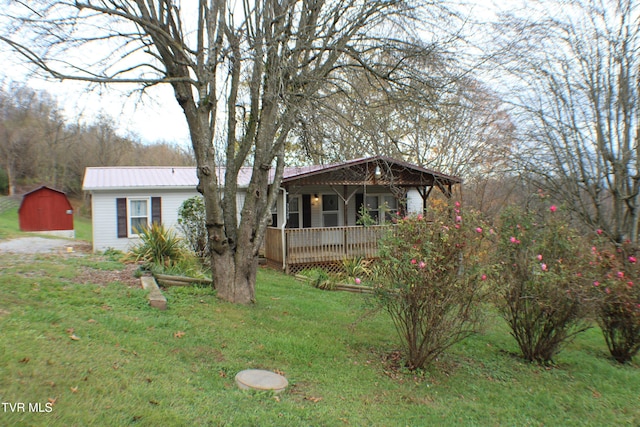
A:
x: 607, y: 290
x: 358, y: 281
x: 539, y: 257
x: 594, y: 249
x: 458, y: 218
x: 543, y: 266
x: 484, y: 277
x: 632, y: 259
x: 422, y: 264
x: 457, y: 204
x: 630, y: 284
x: 491, y: 231
x: 478, y: 229
x: 599, y: 231
x: 596, y: 283
x: 579, y: 274
x: 512, y: 239
x: 620, y: 274
x: 413, y: 261
x: 457, y: 226
x: 419, y: 217
x: 553, y: 208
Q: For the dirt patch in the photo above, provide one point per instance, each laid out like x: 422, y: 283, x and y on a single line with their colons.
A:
x: 95, y: 276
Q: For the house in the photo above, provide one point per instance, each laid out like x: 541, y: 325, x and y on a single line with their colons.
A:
x: 316, y: 220
x: 46, y: 210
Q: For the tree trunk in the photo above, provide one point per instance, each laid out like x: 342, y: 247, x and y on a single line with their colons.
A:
x: 10, y: 181
x: 234, y: 276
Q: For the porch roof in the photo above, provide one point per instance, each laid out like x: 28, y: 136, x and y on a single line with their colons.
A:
x: 363, y: 170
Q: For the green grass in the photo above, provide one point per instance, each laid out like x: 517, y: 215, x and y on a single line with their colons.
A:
x: 10, y: 228
x: 134, y: 365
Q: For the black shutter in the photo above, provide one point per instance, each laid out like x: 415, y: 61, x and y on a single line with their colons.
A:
x: 156, y: 210
x: 121, y: 209
x: 306, y: 210
x: 359, y: 203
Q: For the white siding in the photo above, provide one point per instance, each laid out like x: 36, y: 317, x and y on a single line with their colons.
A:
x: 104, y: 214
x: 414, y: 201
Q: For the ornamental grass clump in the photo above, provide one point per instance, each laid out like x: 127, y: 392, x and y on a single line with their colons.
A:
x: 616, y: 281
x: 430, y: 280
x: 158, y: 246
x: 541, y: 282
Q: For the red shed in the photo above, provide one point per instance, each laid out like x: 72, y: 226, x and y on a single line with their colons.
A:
x: 46, y: 209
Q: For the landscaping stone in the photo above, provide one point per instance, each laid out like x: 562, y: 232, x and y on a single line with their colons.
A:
x: 258, y: 379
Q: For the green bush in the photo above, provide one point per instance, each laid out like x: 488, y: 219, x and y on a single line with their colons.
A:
x: 158, y: 246
x: 615, y: 285
x: 319, y: 278
x: 192, y: 223
x: 429, y: 279
x: 540, y: 265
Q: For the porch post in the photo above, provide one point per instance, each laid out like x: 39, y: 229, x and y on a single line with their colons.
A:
x: 345, y: 215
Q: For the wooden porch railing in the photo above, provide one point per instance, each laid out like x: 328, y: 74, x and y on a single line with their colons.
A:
x: 311, y: 245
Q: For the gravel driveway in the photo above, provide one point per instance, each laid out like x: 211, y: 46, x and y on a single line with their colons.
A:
x: 33, y: 245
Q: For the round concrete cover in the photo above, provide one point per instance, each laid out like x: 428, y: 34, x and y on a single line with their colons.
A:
x: 258, y: 379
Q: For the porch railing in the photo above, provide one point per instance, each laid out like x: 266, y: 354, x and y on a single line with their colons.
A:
x: 310, y: 245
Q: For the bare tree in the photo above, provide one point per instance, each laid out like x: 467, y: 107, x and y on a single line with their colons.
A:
x: 575, y: 74
x: 24, y: 114
x: 267, y: 58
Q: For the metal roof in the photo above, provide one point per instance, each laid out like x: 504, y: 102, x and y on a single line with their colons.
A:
x: 112, y: 178
x: 165, y: 177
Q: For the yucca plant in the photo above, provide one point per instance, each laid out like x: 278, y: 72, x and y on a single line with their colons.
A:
x: 158, y: 246
x: 356, y: 267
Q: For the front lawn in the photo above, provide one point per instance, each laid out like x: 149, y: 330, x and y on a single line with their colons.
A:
x: 101, y: 356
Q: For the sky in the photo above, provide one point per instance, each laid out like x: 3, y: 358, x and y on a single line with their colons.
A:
x: 153, y: 117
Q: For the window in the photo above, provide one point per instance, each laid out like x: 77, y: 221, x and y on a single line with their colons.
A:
x: 381, y: 208
x: 330, y: 210
x: 138, y: 215
x: 132, y: 215
x: 390, y: 207
x: 293, y: 220
x: 373, y: 208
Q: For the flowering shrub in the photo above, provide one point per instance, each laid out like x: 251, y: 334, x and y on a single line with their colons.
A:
x: 541, y: 281
x: 616, y: 282
x: 430, y: 281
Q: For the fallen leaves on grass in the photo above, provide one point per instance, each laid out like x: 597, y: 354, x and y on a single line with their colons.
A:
x: 178, y: 334
x: 313, y: 399
x: 24, y: 360
x: 74, y: 337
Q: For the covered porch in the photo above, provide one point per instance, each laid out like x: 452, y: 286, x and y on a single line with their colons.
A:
x: 296, y: 249
x: 318, y: 219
